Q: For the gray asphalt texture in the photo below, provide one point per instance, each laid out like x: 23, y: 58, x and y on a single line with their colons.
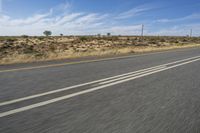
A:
x: 165, y: 102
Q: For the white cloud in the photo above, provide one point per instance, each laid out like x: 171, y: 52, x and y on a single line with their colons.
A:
x: 134, y: 12
x: 63, y: 7
x: 83, y: 24
x: 23, y: 22
x: 69, y: 23
x: 126, y: 30
x: 66, y: 19
x: 59, y: 20
x: 62, y: 20
x: 190, y: 17
x: 178, y: 30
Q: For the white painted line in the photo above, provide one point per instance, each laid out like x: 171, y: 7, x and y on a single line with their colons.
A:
x: 191, y: 58
x: 88, y: 83
x: 156, y: 71
x: 11, y: 112
x: 132, y: 75
x: 71, y: 87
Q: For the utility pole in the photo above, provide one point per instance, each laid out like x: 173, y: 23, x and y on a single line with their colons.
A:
x: 191, y: 33
x: 142, y: 32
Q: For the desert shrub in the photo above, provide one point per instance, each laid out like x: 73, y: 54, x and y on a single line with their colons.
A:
x: 39, y: 55
x: 162, y: 40
x: 152, y: 42
x: 52, y: 48
x: 184, y: 40
x: 84, y: 38
x: 28, y: 50
x: 5, y: 46
x: 8, y: 39
x: 173, y: 41
x: 115, y: 38
x: 41, y: 38
x: 11, y: 39
x: 111, y: 38
x: 24, y: 36
x: 176, y: 41
x: 180, y: 44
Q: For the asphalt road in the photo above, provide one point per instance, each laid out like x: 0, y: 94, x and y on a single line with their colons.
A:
x: 150, y: 93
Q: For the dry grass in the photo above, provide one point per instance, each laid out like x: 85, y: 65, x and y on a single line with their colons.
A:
x: 24, y: 58
x: 33, y: 49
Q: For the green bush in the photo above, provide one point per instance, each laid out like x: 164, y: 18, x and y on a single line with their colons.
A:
x: 84, y: 38
x: 24, y: 36
x: 41, y: 38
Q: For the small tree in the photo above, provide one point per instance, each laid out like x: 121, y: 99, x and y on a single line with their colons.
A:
x: 83, y: 38
x: 24, y: 36
x: 47, y: 33
x: 108, y: 34
x: 99, y: 35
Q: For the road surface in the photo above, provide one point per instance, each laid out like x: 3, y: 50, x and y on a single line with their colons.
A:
x: 149, y: 93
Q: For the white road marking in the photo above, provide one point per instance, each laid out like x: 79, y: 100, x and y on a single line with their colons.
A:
x: 88, y: 83
x: 11, y: 112
x: 72, y: 87
x: 132, y: 75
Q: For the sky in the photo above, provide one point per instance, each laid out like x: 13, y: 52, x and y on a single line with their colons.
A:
x: 91, y: 17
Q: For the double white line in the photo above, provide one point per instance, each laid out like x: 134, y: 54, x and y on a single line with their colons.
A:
x: 100, y: 84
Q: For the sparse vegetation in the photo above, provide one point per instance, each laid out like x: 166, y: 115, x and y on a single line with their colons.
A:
x: 25, y: 36
x: 108, y: 34
x: 27, y: 48
x: 84, y: 38
x: 47, y: 33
